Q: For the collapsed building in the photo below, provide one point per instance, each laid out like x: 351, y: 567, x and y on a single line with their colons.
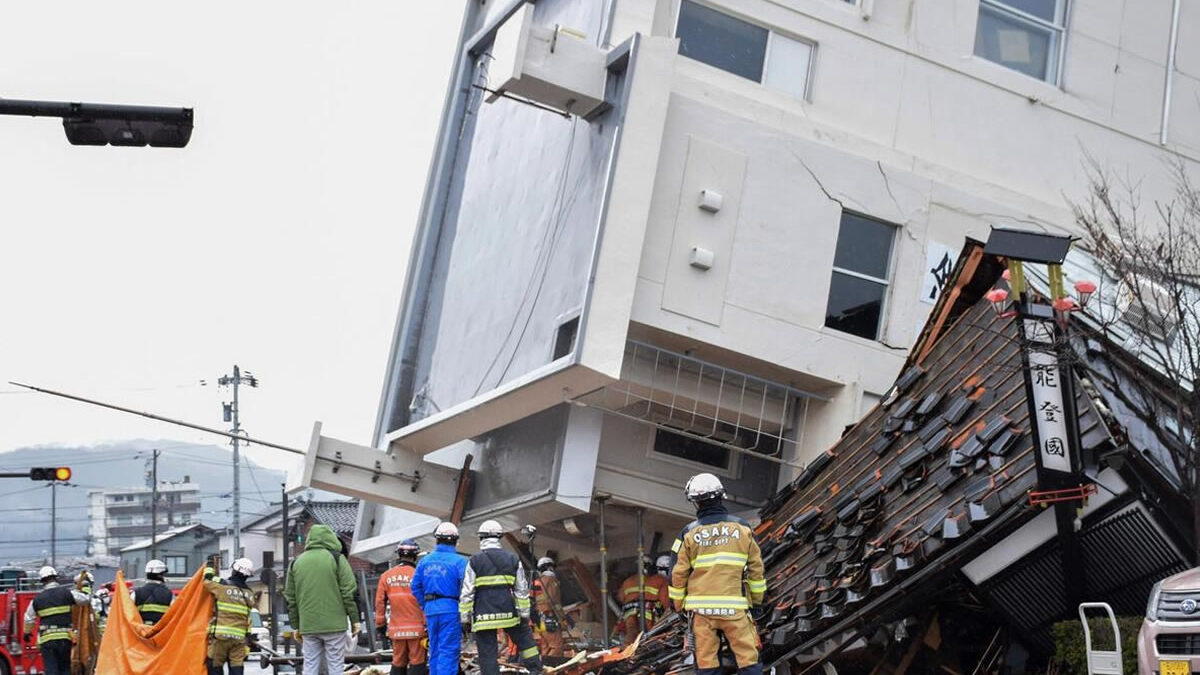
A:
x: 914, y: 542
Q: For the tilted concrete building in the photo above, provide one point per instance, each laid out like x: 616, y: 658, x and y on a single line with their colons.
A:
x: 717, y: 255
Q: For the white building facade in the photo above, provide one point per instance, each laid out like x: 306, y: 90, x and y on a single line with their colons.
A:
x: 120, y: 517
x: 723, y: 265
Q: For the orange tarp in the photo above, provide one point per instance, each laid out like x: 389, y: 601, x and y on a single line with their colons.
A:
x: 177, y: 644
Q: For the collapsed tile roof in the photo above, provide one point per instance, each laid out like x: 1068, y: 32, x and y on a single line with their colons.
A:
x: 929, y: 480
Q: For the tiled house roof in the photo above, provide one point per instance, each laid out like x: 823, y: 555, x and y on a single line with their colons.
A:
x: 340, y: 516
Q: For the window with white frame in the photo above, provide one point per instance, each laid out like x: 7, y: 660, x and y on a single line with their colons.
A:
x: 861, y: 264
x: 743, y: 48
x: 1025, y: 35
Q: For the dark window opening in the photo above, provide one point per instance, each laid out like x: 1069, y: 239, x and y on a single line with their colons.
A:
x: 721, y: 40
x: 564, y: 339
x: 860, y: 270
x: 691, y: 449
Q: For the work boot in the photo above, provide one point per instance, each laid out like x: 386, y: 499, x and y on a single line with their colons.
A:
x: 399, y: 670
x: 236, y: 670
x: 418, y: 669
x: 216, y: 670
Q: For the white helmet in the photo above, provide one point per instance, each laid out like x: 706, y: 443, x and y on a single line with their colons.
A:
x: 156, y: 567
x: 704, y: 486
x: 47, y: 572
x: 663, y: 562
x: 446, y: 531
x: 545, y: 561
x: 243, y: 566
x: 489, y: 529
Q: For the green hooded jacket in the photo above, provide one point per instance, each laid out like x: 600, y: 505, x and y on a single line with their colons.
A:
x: 320, y: 586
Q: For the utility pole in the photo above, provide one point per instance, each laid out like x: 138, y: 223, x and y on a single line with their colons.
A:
x: 154, y: 505
x: 287, y: 558
x: 54, y: 523
x: 231, y: 414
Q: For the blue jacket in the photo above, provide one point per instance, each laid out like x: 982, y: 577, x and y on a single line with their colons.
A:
x: 438, y: 580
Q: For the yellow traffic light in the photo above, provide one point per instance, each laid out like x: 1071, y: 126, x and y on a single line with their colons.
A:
x: 62, y: 473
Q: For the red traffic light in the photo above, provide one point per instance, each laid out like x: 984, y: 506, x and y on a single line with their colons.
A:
x: 58, y: 473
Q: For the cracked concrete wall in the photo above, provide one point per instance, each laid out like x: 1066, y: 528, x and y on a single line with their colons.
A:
x: 906, y: 125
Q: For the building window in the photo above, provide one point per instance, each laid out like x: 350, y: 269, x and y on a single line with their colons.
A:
x: 668, y: 444
x: 860, y: 276
x: 742, y: 48
x: 1025, y: 35
x: 176, y: 565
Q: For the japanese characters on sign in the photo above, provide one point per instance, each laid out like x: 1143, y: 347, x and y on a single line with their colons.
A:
x: 939, y: 263
x: 1048, y: 412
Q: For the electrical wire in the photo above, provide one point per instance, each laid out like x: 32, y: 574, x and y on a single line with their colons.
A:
x: 545, y: 254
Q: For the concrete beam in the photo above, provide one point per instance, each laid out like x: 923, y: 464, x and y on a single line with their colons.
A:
x: 398, y: 478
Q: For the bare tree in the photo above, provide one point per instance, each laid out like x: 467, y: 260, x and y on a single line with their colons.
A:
x: 1149, y: 309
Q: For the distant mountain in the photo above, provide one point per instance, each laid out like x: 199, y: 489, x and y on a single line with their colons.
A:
x: 25, y: 505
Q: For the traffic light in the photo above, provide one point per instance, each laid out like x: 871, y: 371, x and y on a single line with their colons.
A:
x: 58, y: 473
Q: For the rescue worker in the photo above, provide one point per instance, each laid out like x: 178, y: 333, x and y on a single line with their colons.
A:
x: 547, y: 601
x: 153, y: 598
x: 398, y: 616
x: 495, y: 596
x: 51, y: 608
x: 436, y: 586
x: 653, y: 594
x: 230, y: 627
x: 663, y: 566
x: 712, y: 556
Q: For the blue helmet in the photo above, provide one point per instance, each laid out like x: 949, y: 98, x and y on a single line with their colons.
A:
x: 408, y: 549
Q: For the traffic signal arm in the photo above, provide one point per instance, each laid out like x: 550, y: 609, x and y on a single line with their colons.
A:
x: 56, y: 473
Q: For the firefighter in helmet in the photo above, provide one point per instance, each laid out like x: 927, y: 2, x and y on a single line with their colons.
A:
x: 436, y: 585
x: 153, y: 597
x: 547, y: 601
x: 495, y: 596
x: 398, y: 616
x: 51, y: 610
x: 648, y: 592
x: 718, y: 578
x: 230, y: 628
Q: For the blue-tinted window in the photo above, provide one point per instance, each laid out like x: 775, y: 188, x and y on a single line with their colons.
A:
x: 721, y: 40
x: 1024, y: 35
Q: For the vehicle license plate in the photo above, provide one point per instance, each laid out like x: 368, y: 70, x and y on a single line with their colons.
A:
x: 1174, y: 668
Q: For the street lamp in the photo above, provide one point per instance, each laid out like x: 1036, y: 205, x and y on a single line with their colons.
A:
x: 104, y: 124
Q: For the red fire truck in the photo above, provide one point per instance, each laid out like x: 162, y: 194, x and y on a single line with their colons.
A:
x: 16, y: 658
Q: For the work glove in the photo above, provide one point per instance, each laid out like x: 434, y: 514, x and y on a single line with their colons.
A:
x: 355, y: 628
x: 757, y: 612
x: 209, y: 573
x: 381, y: 633
x: 28, y: 638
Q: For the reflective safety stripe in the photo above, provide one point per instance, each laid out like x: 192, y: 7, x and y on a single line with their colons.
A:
x: 676, y: 546
x: 496, y: 580
x: 493, y: 624
x: 529, y: 653
x: 465, y: 607
x: 645, y: 590
x: 757, y: 586
x: 728, y: 558
x: 48, y: 633
x: 676, y: 593
x: 633, y: 612
x: 522, y: 603
x: 230, y: 631
x: 231, y: 607
x: 148, y: 607
x: 716, y: 602
x: 54, y: 611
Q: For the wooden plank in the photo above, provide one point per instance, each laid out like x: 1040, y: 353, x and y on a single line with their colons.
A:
x: 460, y: 493
x: 590, y: 589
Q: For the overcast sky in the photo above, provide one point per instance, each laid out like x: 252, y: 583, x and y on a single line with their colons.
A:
x: 277, y: 239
